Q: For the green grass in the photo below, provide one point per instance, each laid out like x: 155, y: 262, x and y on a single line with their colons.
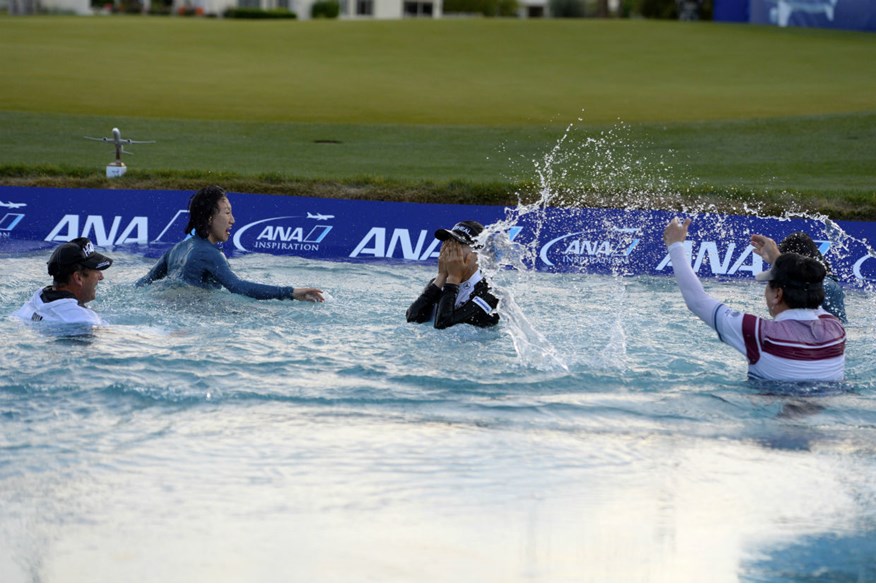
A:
x: 461, y: 111
x: 481, y: 72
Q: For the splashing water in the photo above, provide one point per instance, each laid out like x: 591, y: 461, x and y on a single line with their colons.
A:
x: 500, y: 252
x: 609, y: 170
x: 571, y: 166
x: 574, y: 167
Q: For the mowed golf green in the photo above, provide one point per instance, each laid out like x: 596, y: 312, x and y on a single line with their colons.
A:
x: 481, y: 72
x: 722, y: 107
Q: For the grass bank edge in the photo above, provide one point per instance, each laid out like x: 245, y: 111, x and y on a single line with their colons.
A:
x: 851, y: 205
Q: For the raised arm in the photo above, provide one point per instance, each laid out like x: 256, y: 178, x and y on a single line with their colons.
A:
x: 698, y: 302
x: 423, y: 307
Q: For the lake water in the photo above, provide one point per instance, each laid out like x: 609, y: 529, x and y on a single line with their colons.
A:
x: 600, y: 433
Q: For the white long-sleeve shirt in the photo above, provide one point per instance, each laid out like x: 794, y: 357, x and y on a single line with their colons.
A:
x: 61, y: 311
x: 800, y: 344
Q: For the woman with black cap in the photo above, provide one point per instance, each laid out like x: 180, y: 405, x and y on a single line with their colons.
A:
x: 802, y: 342
x: 459, y: 293
x: 197, y: 261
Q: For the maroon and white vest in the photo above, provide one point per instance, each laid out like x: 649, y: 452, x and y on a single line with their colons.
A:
x: 795, y: 350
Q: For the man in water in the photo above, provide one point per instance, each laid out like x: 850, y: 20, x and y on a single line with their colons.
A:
x: 76, y: 270
x: 802, y: 342
x: 459, y: 293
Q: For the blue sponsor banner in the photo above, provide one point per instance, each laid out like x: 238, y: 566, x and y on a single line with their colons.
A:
x: 730, y: 11
x: 599, y: 241
x: 841, y: 14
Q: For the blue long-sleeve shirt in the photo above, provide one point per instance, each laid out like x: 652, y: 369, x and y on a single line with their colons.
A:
x: 834, y: 298
x: 198, y: 262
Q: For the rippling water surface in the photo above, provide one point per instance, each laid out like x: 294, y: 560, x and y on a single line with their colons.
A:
x: 602, y: 435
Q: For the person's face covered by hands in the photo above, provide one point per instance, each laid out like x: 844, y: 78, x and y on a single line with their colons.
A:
x: 457, y: 260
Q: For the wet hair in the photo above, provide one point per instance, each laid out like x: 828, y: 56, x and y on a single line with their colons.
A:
x: 202, y: 206
x: 801, y: 279
x: 799, y: 242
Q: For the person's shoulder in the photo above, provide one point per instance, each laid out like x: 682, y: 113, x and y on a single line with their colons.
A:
x: 87, y: 316
x: 484, y: 288
x: 826, y: 315
x: 726, y: 313
x: 26, y: 311
x: 71, y: 311
x: 203, y: 246
x: 832, y: 284
x: 35, y: 298
x: 201, y: 250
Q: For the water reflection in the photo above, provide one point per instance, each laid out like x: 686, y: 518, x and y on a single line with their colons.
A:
x: 831, y: 557
x: 276, y: 490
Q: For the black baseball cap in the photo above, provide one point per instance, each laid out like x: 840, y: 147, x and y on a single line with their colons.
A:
x: 464, y: 232
x: 79, y: 251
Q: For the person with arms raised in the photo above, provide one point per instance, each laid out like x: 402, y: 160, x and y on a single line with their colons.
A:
x: 802, y: 342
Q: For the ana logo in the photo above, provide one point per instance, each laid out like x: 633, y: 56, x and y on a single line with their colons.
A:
x: 134, y: 231
x: 865, y: 268
x: 823, y: 245
x: 282, y: 234
x: 419, y: 245
x: 727, y: 264
x: 375, y: 244
x: 8, y: 223
x: 583, y: 248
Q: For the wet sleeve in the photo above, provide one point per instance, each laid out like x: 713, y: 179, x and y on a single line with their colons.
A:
x: 728, y: 324
x: 835, y: 299
x: 421, y: 309
x: 221, y: 271
x: 479, y: 310
x: 698, y: 302
x: 158, y: 271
